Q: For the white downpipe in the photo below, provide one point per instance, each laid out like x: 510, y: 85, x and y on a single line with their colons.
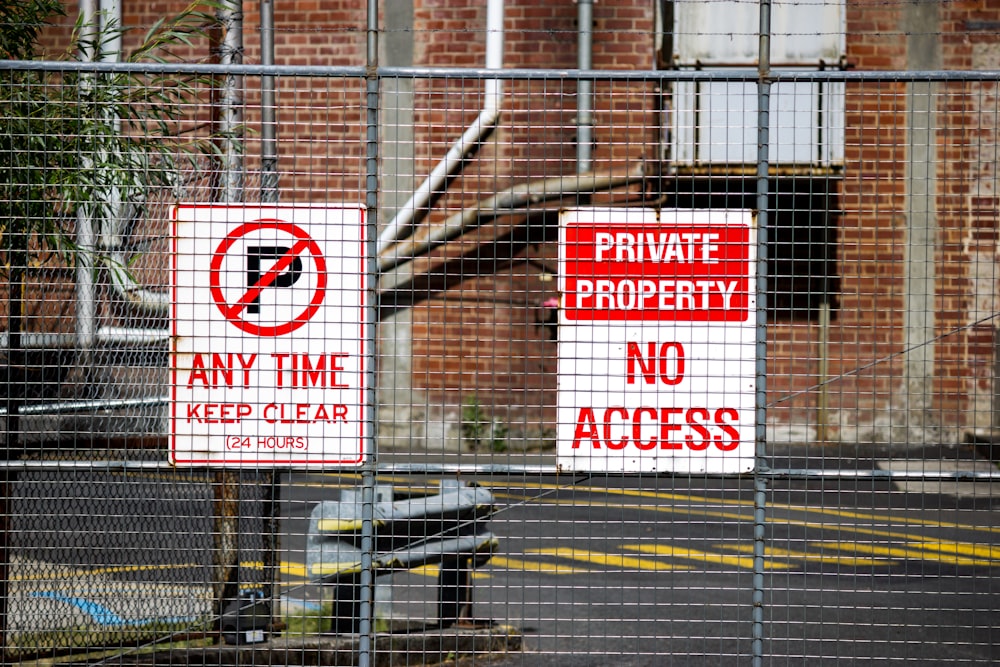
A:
x: 410, y: 214
x: 230, y: 14
x: 86, y: 295
x: 153, y: 303
x: 111, y: 16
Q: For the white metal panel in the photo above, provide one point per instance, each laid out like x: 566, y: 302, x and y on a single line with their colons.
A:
x: 714, y: 32
x: 715, y: 122
x: 726, y: 31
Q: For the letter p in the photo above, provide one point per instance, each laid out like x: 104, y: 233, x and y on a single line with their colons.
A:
x: 271, y: 278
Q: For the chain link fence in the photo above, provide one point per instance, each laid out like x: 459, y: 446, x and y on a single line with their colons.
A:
x: 316, y: 377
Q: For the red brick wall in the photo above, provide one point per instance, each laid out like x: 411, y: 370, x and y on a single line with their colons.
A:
x: 867, y: 336
x: 481, y: 338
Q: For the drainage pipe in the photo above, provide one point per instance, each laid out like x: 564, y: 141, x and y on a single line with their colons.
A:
x: 102, y: 335
x: 230, y: 182
x: 414, y: 210
x: 86, y: 235
x: 149, y: 302
x: 230, y: 15
x: 584, y: 92
x: 268, y: 111
x: 511, y: 200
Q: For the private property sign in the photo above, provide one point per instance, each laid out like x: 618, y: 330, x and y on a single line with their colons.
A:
x: 657, y: 340
x: 268, y: 355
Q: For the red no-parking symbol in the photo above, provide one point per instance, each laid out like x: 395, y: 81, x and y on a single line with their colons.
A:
x: 256, y: 276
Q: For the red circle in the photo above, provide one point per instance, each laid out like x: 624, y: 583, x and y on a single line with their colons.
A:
x: 227, y: 309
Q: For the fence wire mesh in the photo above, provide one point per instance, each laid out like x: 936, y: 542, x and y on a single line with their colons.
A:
x: 322, y: 381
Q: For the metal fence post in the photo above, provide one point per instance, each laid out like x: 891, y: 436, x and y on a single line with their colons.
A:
x: 760, y: 484
x: 367, y: 579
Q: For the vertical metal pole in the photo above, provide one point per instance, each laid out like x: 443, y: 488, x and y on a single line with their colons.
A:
x: 268, y: 110
x: 267, y: 481
x: 86, y: 235
x: 822, y: 400
x: 760, y: 483
x: 367, y: 626
x: 16, y: 381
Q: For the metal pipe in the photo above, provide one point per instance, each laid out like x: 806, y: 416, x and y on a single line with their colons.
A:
x: 267, y: 480
x: 417, y: 206
x: 111, y: 30
x: 111, y: 209
x: 95, y: 405
x: 584, y: 94
x: 113, y: 224
x: 230, y: 15
x: 86, y: 294
x: 152, y: 302
x: 465, y: 469
x: 822, y: 400
x: 268, y: 110
x: 88, y: 30
x: 230, y: 190
x: 501, y: 203
x: 86, y: 234
x: 105, y: 334
x: 493, y: 88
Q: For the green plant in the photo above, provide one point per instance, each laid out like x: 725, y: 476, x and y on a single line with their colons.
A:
x: 302, y: 622
x: 76, y: 141
x: 481, y: 429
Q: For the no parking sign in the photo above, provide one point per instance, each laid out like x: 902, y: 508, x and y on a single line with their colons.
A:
x: 268, y: 360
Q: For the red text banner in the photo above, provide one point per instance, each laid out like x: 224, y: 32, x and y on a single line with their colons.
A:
x: 638, y: 271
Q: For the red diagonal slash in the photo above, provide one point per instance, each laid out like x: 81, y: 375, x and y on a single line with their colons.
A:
x: 303, y: 244
x: 265, y: 280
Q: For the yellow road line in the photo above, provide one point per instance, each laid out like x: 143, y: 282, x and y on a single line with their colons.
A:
x: 703, y: 556
x: 897, y: 552
x: 538, y: 566
x: 708, y: 500
x: 774, y: 552
x: 432, y: 570
x: 609, y: 560
x: 939, y: 545
x: 961, y: 549
x: 293, y: 569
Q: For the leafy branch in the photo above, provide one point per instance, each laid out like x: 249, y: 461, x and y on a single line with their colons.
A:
x: 97, y: 143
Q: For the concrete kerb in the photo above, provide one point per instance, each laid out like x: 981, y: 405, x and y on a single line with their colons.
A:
x: 428, y: 647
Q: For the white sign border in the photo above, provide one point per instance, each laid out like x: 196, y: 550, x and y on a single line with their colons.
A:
x: 198, y: 229
x: 575, y: 338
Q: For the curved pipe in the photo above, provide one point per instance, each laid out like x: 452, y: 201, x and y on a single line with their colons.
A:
x: 502, y: 203
x: 416, y: 207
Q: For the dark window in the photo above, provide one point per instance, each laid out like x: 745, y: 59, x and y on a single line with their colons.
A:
x: 803, y: 213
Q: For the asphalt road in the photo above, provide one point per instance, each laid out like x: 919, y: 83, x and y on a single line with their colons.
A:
x: 654, y: 571
x: 593, y: 571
